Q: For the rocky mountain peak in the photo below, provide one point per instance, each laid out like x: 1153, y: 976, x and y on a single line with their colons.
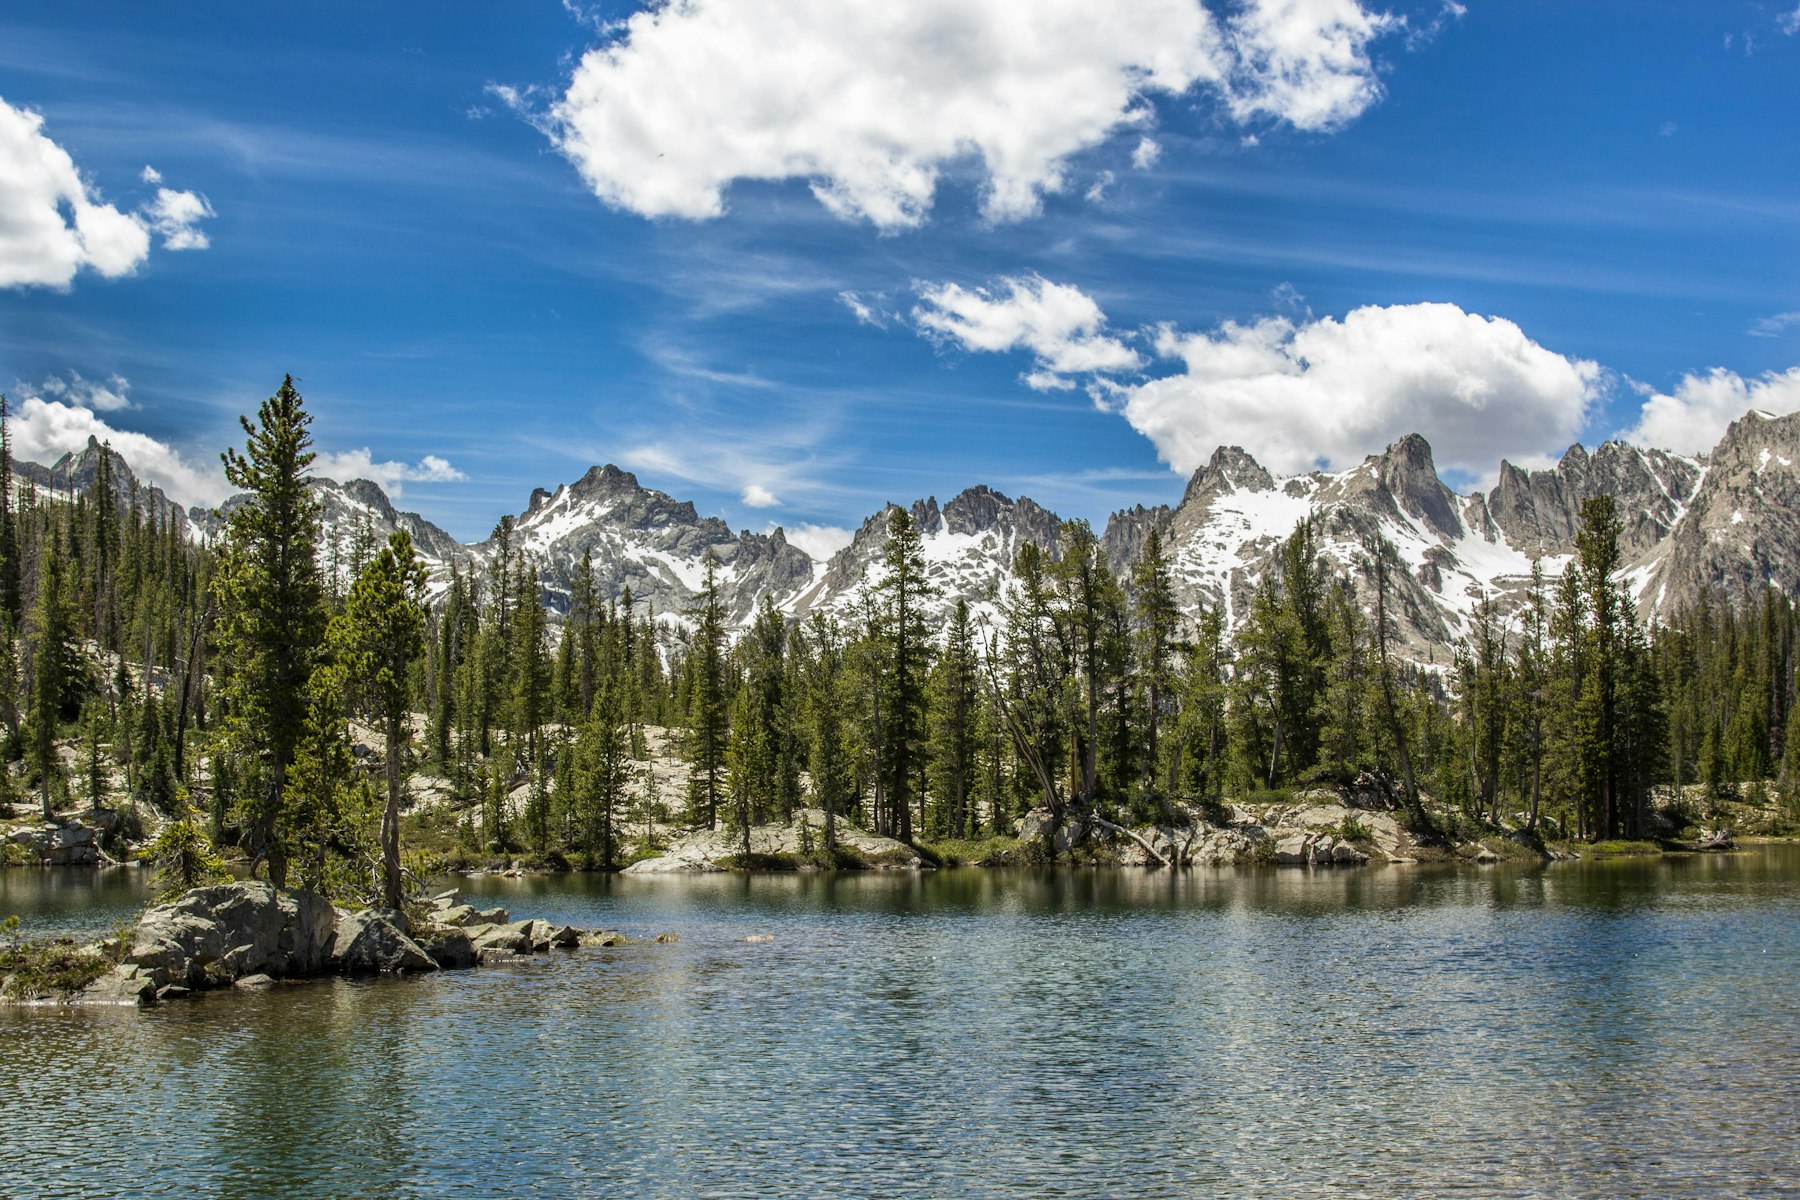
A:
x: 1230, y: 469
x: 1409, y: 475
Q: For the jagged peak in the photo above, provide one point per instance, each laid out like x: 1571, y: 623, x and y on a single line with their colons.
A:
x: 1409, y: 473
x: 1230, y: 469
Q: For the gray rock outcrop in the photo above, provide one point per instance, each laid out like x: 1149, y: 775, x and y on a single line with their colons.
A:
x: 376, y: 940
x: 216, y: 935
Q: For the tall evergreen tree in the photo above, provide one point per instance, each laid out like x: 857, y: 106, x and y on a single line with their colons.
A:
x: 904, y: 589
x: 375, y: 640
x: 271, y: 605
x: 708, y: 718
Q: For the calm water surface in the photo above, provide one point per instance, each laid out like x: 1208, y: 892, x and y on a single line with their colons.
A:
x: 1606, y: 1029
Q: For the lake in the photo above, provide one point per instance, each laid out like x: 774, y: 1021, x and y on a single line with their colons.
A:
x: 1580, y: 1029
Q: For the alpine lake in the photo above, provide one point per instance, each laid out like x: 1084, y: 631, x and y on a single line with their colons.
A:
x: 1604, y: 1028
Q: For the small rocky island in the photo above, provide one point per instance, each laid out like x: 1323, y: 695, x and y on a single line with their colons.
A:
x: 250, y: 935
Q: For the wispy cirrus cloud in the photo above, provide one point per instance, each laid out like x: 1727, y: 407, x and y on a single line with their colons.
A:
x: 1775, y: 325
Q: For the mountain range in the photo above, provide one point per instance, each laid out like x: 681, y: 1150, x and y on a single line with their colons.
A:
x: 1728, y: 520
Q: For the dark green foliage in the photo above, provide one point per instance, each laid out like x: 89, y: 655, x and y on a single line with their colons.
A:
x: 272, y: 615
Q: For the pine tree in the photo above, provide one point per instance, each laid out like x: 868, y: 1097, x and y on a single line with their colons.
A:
x: 953, y: 718
x: 827, y: 704
x: 10, y: 596
x: 271, y: 605
x: 708, y: 719
x: 1156, y: 623
x: 375, y: 640
x: 55, y: 671
x: 904, y: 589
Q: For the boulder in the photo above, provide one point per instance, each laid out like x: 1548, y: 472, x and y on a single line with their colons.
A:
x: 493, y: 916
x: 605, y: 937
x: 71, y: 844
x: 254, y: 982
x: 450, y: 949
x: 219, y: 934
x: 122, y: 985
x: 458, y: 915
x: 1293, y: 849
x: 500, y: 937
x: 1035, y: 826
x: 375, y: 939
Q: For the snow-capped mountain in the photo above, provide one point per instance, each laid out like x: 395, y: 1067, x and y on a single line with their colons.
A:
x: 76, y: 471
x: 1728, y: 520
x: 970, y: 545
x: 645, y: 540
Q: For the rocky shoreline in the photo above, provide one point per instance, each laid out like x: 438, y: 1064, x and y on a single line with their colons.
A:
x: 250, y: 935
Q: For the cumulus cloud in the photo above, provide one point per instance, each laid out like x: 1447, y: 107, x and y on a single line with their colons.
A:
x: 110, y: 395
x: 1294, y: 391
x: 1060, y: 325
x: 174, y: 216
x: 1299, y: 393
x: 54, y: 223
x: 1304, y: 61
x: 1694, y: 418
x: 820, y: 541
x: 872, y: 101
x: 391, y: 475
x: 758, y: 496
x: 43, y: 430
x: 1147, y: 154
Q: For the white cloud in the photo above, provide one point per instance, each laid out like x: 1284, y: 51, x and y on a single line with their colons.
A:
x: 872, y: 101
x: 1296, y: 394
x: 1061, y: 326
x: 820, y: 541
x: 174, y: 215
x: 39, y: 244
x: 53, y: 222
x: 1305, y: 61
x: 1694, y: 419
x: 758, y: 496
x: 1147, y: 154
x: 44, y: 430
x: 1097, y: 190
x: 109, y: 396
x: 869, y: 309
x: 1789, y: 22
x: 1774, y: 326
x: 392, y: 476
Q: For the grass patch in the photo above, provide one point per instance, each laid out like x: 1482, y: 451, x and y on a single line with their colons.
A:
x: 36, y: 970
x: 758, y: 861
x: 1617, y: 849
x: 979, y: 852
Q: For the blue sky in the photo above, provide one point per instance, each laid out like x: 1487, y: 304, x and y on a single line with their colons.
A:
x: 793, y: 259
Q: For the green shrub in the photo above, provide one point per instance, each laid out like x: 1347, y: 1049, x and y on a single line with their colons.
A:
x: 35, y: 970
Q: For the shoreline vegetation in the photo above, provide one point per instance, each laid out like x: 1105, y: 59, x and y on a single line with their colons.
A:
x: 323, y: 715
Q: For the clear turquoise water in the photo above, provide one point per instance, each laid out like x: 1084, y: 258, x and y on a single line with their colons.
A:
x: 1606, y: 1029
